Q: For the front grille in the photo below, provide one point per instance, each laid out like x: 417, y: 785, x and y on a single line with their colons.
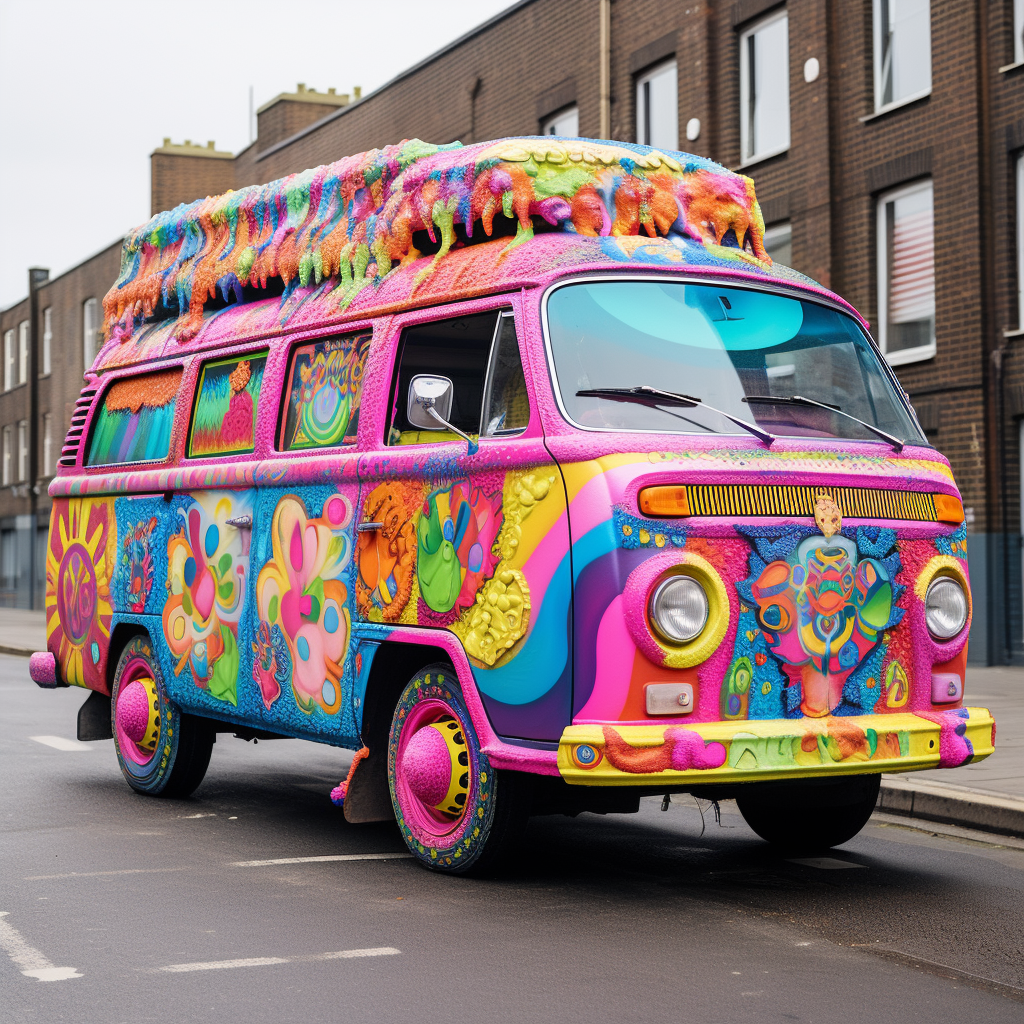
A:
x: 781, y: 500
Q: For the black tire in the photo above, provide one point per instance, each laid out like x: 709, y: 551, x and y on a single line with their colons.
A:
x: 473, y: 814
x: 809, y: 815
x: 174, y: 751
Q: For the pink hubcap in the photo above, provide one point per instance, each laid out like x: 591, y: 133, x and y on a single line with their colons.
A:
x: 133, y: 711
x: 426, y: 766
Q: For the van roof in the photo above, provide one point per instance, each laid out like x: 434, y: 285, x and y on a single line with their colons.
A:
x: 348, y: 238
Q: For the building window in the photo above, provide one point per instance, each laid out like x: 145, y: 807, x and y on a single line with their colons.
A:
x: 778, y: 243
x: 906, y: 274
x: 47, y: 444
x: 23, y: 352
x: 8, y: 360
x: 47, y: 339
x: 903, y: 51
x: 90, y: 330
x: 22, y: 451
x: 764, y: 88
x: 657, y: 107
x: 8, y: 455
x: 565, y: 123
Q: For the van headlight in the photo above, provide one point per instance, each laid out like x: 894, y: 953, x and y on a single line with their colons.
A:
x: 945, y: 608
x: 678, y: 609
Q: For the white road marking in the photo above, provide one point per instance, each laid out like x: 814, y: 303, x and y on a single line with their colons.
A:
x: 264, y: 961
x: 318, y: 860
x: 202, y: 814
x: 826, y: 863
x: 97, y: 874
x: 28, y: 959
x: 60, y: 743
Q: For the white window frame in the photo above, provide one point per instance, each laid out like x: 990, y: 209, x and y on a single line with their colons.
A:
x: 907, y: 355
x: 9, y: 359
x: 7, y: 455
x: 22, y: 451
x: 879, y: 77
x: 553, y: 124
x: 746, y: 154
x: 1018, y: 31
x: 47, y: 341
x: 23, y: 340
x: 90, y: 331
x: 776, y: 230
x: 643, y: 92
x: 47, y: 444
x: 1020, y: 237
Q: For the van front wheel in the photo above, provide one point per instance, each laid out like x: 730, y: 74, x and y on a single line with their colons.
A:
x: 809, y: 815
x: 161, y: 751
x: 457, y: 814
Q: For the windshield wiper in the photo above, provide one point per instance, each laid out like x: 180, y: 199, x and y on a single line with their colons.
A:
x: 800, y: 400
x: 653, y: 396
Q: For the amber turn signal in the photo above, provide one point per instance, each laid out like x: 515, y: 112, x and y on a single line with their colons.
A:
x: 664, y: 501
x: 948, y: 509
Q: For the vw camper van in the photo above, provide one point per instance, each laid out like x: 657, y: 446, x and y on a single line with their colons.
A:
x: 522, y: 471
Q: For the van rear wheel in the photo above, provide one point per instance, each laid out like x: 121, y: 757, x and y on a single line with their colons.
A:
x: 457, y: 814
x: 161, y: 751
x: 809, y: 815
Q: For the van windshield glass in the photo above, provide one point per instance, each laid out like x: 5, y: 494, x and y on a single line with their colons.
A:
x: 784, y: 365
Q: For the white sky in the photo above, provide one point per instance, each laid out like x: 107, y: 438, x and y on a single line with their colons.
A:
x: 89, y: 89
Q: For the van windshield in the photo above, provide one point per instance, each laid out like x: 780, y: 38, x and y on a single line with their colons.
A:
x: 718, y: 356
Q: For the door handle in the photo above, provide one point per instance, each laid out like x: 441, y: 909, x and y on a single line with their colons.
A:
x: 367, y: 527
x: 242, y: 522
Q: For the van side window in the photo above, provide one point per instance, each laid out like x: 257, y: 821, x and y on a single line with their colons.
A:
x: 227, y: 398
x: 461, y: 349
x: 133, y: 423
x: 506, y: 402
x: 325, y: 382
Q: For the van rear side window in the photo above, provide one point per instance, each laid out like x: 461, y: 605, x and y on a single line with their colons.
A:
x: 227, y: 399
x: 325, y: 383
x: 134, y: 420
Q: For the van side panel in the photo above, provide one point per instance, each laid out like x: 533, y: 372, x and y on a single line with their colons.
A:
x: 81, y: 559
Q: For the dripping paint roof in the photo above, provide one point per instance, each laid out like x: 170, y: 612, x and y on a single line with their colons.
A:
x: 415, y: 223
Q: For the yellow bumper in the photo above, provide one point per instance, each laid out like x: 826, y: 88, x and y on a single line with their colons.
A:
x: 708, y: 753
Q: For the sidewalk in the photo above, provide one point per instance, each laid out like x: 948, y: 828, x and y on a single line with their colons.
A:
x: 987, y: 796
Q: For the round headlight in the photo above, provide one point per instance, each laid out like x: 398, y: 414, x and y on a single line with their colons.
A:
x: 678, y: 609
x: 945, y: 608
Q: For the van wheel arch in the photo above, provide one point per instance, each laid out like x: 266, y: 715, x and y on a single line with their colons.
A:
x: 122, y: 635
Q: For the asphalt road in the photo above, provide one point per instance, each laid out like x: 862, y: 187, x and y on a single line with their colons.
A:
x: 622, y: 918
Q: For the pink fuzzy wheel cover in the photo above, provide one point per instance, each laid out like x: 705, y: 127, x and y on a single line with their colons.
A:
x: 133, y: 711
x: 426, y: 766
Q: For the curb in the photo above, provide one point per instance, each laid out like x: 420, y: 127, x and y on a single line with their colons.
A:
x: 18, y: 652
x: 952, y: 805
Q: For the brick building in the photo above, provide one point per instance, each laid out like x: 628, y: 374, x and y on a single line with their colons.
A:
x: 885, y: 138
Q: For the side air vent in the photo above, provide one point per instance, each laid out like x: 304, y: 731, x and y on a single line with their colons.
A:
x: 69, y: 453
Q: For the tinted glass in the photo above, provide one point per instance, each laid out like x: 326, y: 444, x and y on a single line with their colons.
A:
x: 224, y: 420
x: 722, y: 346
x: 325, y: 381
x: 134, y: 420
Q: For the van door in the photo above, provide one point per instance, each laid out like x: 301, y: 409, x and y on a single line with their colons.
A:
x: 477, y: 543
x: 300, y: 624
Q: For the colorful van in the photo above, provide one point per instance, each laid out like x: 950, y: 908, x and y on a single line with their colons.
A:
x: 519, y: 469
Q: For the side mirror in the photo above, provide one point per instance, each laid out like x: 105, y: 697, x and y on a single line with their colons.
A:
x: 430, y: 405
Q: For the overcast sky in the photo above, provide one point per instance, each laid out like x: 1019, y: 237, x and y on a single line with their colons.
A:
x: 89, y: 89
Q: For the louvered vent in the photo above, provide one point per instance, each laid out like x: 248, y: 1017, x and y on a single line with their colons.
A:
x: 69, y: 453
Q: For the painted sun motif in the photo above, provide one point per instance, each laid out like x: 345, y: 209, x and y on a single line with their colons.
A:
x: 80, y: 560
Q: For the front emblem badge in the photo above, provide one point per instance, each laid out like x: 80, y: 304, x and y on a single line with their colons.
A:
x: 827, y: 515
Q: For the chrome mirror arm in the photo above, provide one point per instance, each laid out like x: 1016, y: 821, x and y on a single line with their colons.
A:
x: 428, y: 406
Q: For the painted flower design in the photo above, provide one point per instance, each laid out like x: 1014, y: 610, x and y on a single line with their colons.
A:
x: 208, y: 562
x: 139, y: 559
x: 80, y: 561
x: 271, y: 663
x: 300, y: 594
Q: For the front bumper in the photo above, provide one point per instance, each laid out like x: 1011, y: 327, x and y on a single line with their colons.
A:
x: 707, y: 753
